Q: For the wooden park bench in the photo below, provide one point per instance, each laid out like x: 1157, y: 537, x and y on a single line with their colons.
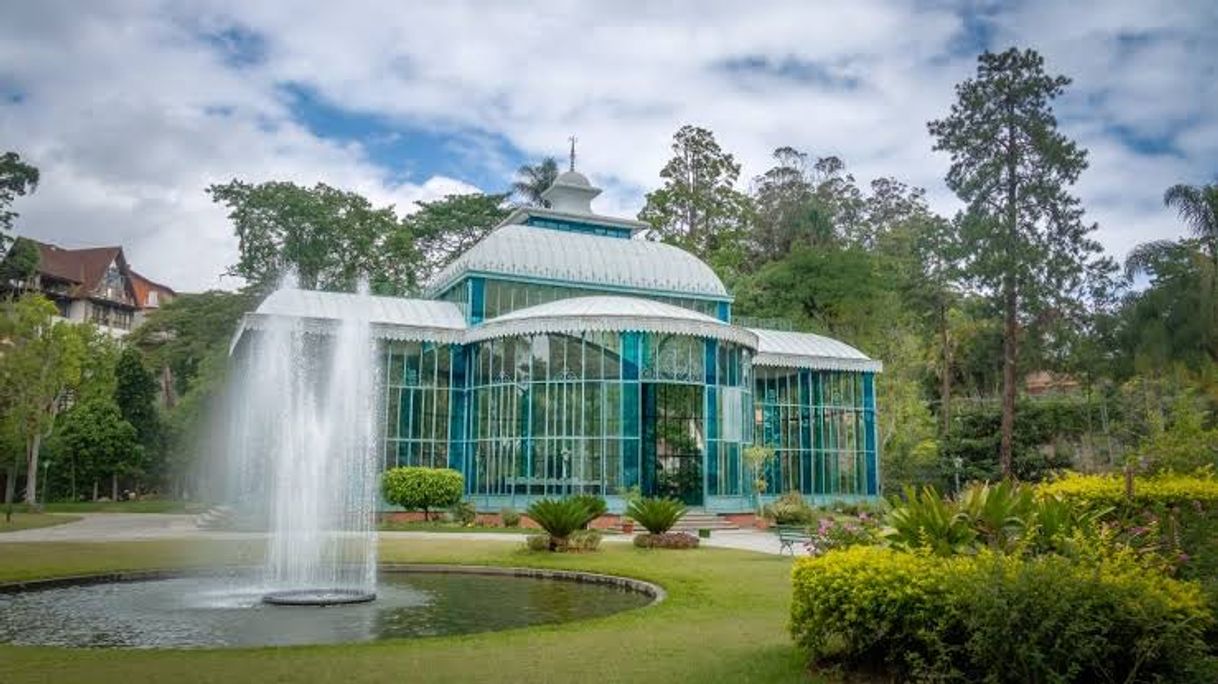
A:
x: 790, y: 535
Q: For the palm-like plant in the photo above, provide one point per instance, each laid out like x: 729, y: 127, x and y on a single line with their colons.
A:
x: 656, y: 515
x: 559, y: 518
x: 534, y: 179
x: 1000, y: 514
x: 1197, y: 206
x: 927, y: 520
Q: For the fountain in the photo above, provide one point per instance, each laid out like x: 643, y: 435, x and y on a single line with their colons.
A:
x: 303, y: 436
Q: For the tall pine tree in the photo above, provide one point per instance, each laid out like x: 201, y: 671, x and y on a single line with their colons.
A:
x: 1023, y: 238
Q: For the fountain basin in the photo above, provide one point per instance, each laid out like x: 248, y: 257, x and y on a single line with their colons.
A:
x: 217, y: 609
x: 318, y: 597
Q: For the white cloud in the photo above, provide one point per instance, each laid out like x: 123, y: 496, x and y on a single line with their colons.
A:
x: 130, y: 113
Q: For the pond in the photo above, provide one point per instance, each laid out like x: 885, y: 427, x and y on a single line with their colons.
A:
x: 211, y: 611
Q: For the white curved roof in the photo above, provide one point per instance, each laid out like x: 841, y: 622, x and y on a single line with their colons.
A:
x: 806, y: 350
x: 391, y: 317
x: 609, y: 314
x: 555, y: 255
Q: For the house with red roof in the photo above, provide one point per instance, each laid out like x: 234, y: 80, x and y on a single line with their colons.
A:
x: 96, y: 284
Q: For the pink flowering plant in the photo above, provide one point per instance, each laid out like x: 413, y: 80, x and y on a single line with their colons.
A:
x: 831, y: 533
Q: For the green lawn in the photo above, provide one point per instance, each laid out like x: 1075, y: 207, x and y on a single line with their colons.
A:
x: 28, y: 521
x: 724, y: 621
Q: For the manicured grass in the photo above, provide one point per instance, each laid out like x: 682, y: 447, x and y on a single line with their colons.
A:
x: 724, y: 621
x: 28, y: 521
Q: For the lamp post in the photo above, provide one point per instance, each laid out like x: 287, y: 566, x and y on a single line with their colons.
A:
x: 46, y: 464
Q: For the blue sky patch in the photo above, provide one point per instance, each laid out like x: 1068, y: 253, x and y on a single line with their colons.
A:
x: 408, y: 153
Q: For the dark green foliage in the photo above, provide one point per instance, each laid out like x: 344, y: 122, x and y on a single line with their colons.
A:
x: 422, y: 489
x: 666, y: 540
x: 534, y: 179
x: 135, y: 392
x: 1028, y: 246
x: 593, y: 504
x: 17, y: 178
x: 656, y: 515
x: 442, y: 229
x: 559, y: 518
x: 329, y: 237
x: 1041, y: 434
x: 95, y: 443
x: 21, y: 262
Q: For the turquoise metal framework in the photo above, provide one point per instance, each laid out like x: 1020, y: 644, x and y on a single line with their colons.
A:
x: 609, y: 411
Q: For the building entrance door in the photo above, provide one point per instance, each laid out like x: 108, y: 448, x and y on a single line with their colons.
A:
x: 674, y: 440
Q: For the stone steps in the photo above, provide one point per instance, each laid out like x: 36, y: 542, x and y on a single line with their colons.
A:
x: 695, y: 520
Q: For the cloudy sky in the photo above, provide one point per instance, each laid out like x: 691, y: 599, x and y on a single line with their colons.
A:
x: 131, y: 109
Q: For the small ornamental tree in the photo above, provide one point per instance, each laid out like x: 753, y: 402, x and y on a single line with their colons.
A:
x: 416, y: 488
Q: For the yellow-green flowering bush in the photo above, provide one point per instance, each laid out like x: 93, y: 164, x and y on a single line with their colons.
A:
x: 1109, y: 490
x: 999, y: 618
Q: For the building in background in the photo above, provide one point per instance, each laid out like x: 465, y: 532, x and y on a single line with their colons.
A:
x: 97, y: 285
x: 562, y: 354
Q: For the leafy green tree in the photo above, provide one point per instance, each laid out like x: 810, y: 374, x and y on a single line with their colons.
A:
x: 99, y: 443
x: 1025, y: 237
x: 17, y: 179
x: 135, y: 394
x: 443, y: 229
x: 1173, y: 320
x: 20, y: 264
x: 329, y: 237
x: 40, y: 367
x: 416, y: 488
x: 534, y: 179
x: 698, y: 207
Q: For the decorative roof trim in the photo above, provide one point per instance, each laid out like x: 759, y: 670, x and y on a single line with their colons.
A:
x: 594, y: 288
x: 520, y: 214
x: 496, y: 328
x: 776, y: 360
x: 326, y: 326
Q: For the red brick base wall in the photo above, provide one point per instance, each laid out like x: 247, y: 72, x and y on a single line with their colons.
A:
x: 491, y: 519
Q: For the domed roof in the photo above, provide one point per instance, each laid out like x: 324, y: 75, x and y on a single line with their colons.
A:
x: 609, y: 314
x: 523, y: 251
x: 573, y: 178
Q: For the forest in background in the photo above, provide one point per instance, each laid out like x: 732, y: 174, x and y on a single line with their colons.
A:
x: 1011, y: 344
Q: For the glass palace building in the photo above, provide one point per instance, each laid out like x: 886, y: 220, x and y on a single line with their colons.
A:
x: 562, y: 354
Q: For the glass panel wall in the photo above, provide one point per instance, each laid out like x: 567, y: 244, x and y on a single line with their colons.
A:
x: 816, y: 421
x: 504, y: 297
x: 419, y: 392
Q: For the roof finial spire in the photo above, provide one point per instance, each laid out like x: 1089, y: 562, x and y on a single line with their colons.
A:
x: 572, y: 139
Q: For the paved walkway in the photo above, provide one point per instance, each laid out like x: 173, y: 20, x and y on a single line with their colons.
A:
x: 108, y: 527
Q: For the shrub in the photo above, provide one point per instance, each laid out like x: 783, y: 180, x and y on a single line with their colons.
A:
x: 667, y: 540
x: 1108, y: 491
x: 463, y: 513
x: 595, y: 506
x: 997, y: 617
x: 416, y: 488
x: 559, y: 518
x: 538, y: 542
x: 656, y: 515
x: 790, y: 509
x: 830, y: 534
x: 584, y: 540
x: 510, y: 517
x: 927, y: 520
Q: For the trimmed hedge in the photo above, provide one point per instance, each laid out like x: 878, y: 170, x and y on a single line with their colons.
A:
x: 1103, y: 491
x: 416, y: 488
x: 999, y: 618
